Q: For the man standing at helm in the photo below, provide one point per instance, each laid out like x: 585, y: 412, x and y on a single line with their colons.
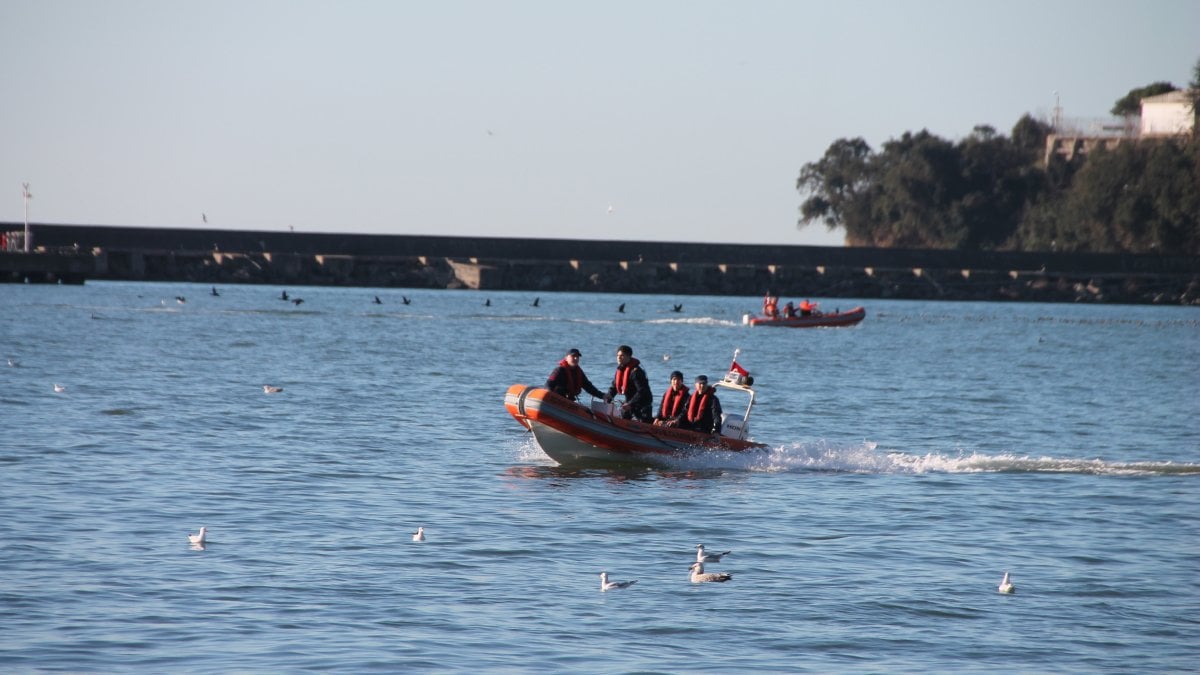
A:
x: 568, y: 380
x: 630, y: 381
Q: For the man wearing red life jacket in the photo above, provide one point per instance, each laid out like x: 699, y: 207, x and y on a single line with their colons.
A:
x: 630, y: 381
x: 770, y: 306
x: 568, y: 378
x: 704, y: 410
x: 806, y: 307
x: 673, y: 409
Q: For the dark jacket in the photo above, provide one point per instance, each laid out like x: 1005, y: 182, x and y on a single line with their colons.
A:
x: 704, y: 415
x: 567, y: 380
x: 630, y: 381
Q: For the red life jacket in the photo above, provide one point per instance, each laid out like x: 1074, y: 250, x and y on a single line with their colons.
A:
x: 621, y: 380
x: 574, y: 381
x: 671, y: 401
x: 698, y: 405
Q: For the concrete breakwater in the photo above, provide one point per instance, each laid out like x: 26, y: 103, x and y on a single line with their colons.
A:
x: 72, y: 254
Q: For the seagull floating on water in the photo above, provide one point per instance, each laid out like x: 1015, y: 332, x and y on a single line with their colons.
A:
x: 180, y: 299
x: 1006, y: 586
x: 60, y: 388
x: 268, y: 389
x: 677, y: 308
x: 700, y: 577
x: 297, y: 301
x: 283, y: 295
x: 419, y: 535
x: 606, y: 585
x: 13, y: 363
x: 198, y: 539
x: 621, y: 308
x: 378, y: 301
x: 214, y: 292
x: 702, y: 556
x: 536, y: 301
x: 406, y: 300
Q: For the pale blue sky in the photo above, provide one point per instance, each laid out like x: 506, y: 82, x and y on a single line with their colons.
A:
x: 690, y: 119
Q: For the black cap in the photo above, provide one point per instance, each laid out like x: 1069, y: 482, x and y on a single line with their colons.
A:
x: 675, y: 374
x: 574, y: 352
x: 702, y: 378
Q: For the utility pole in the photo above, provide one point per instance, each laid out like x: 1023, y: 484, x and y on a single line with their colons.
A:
x: 26, y: 194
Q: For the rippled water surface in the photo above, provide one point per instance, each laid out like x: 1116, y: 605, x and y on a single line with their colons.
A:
x: 914, y: 459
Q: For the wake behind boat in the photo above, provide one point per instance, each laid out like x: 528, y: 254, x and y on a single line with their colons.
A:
x: 572, y: 433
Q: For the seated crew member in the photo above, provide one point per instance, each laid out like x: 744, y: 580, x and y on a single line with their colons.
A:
x: 567, y: 379
x: 630, y: 381
x: 704, y: 410
x: 673, y: 408
x: 789, y: 310
x: 807, y: 308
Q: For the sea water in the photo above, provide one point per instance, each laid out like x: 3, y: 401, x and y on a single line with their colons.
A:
x: 913, y: 460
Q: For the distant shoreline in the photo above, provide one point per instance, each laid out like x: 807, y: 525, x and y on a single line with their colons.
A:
x: 74, y: 254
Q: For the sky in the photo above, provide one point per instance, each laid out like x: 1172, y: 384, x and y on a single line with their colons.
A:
x: 649, y: 120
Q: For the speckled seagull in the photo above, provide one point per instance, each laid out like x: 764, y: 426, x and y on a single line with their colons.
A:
x: 700, y: 577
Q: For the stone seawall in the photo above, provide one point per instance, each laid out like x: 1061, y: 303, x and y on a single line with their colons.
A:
x: 215, y: 256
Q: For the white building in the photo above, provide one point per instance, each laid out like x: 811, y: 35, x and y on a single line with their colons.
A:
x: 1169, y: 114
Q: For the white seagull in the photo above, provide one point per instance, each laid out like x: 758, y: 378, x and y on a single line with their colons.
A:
x: 60, y: 388
x: 606, y: 585
x: 703, y: 557
x: 268, y: 389
x: 419, y: 535
x: 198, y: 539
x: 700, y: 577
x: 1006, y: 586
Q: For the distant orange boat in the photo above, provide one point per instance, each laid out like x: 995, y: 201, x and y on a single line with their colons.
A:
x: 814, y: 320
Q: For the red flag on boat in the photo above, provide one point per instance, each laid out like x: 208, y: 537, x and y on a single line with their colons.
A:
x: 735, y: 368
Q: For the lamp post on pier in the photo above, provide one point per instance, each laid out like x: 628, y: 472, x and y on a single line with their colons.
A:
x: 26, y: 194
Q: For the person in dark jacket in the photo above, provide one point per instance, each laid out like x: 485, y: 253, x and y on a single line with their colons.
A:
x: 567, y: 379
x: 630, y: 381
x: 673, y: 408
x: 704, y: 410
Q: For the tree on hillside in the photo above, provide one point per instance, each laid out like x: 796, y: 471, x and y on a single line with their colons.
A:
x: 837, y: 185
x: 922, y: 191
x: 1137, y: 197
x: 1029, y: 136
x: 1131, y: 103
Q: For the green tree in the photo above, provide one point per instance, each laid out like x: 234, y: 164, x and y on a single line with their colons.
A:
x: 1131, y: 103
x: 1138, y: 197
x: 1029, y: 136
x: 837, y: 185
